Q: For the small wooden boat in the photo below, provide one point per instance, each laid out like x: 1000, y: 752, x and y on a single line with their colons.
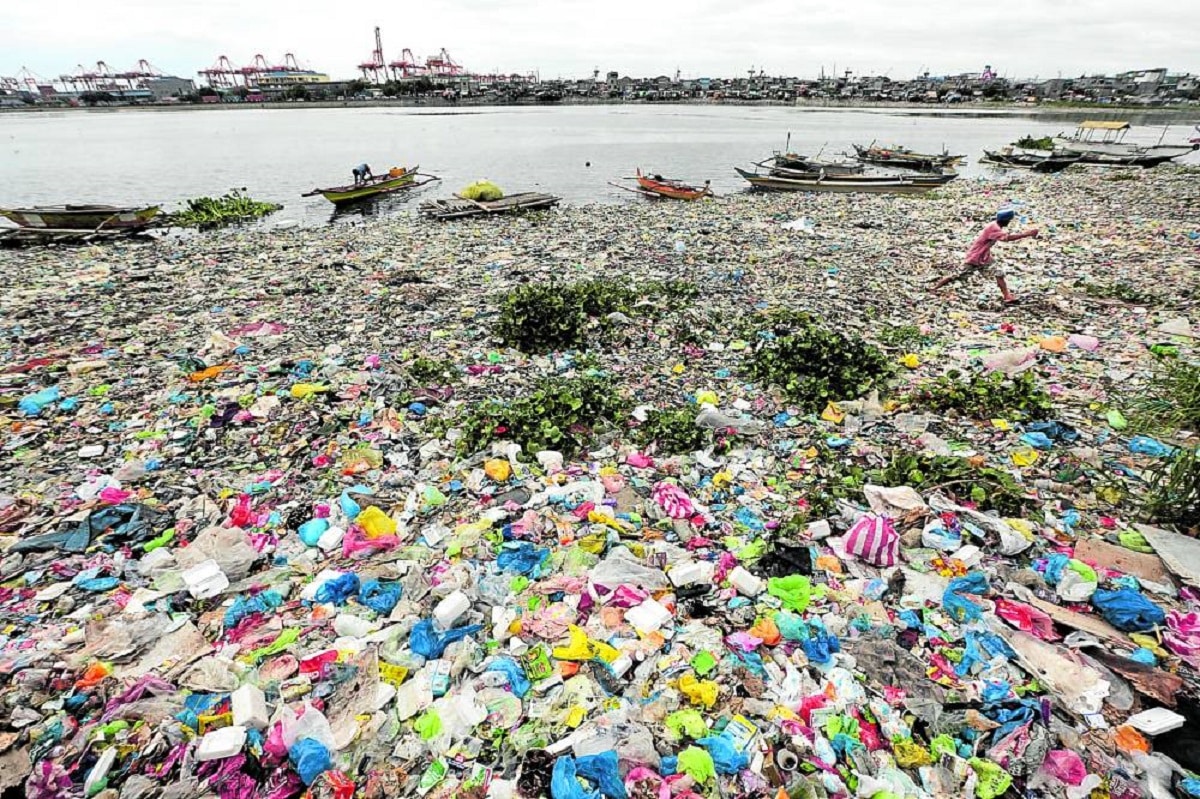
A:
x: 674, y: 189
x: 1035, y: 160
x: 81, y: 217
x: 1102, y: 143
x: 904, y: 158
x: 397, y: 179
x: 459, y: 207
x: 886, y: 184
x: 798, y: 163
x: 933, y: 179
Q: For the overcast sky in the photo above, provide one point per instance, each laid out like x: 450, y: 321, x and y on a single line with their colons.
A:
x: 568, y: 38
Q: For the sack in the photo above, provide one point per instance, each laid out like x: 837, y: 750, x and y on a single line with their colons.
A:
x: 875, y: 540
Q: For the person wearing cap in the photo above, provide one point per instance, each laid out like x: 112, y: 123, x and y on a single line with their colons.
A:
x: 979, y: 257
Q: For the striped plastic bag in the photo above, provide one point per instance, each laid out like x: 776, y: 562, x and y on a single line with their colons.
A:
x: 874, y: 539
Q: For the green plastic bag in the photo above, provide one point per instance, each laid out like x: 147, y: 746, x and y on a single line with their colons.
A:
x: 794, y: 591
x: 697, y: 764
x: 993, y: 780
x: 428, y: 725
x: 482, y: 190
x: 687, y: 722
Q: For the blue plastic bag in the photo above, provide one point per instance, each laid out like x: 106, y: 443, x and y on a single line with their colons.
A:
x: 32, y: 405
x: 820, y: 645
x: 727, y: 758
x: 1056, y: 431
x: 310, y: 759
x: 1055, y: 564
x: 1144, y: 445
x: 564, y: 784
x: 603, y: 769
x: 1037, y: 440
x: 311, y: 531
x: 960, y: 608
x: 339, y: 589
x: 426, y: 642
x: 243, y: 606
x: 1128, y: 610
x: 522, y: 558
x: 379, y: 597
x: 517, y: 680
x: 348, y: 505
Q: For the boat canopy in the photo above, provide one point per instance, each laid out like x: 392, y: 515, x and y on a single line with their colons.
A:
x: 1112, y: 124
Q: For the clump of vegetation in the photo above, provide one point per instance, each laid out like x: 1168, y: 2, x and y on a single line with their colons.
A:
x: 560, y: 414
x: 1171, y: 402
x: 207, y: 212
x: 1116, y: 291
x: 812, y: 364
x: 902, y: 337
x: 431, y: 371
x: 544, y: 318
x: 1123, y: 175
x: 988, y: 487
x: 1030, y: 143
x: 673, y: 431
x: 985, y: 395
x: 1174, y: 496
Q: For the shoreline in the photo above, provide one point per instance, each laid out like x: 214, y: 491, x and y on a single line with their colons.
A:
x: 917, y: 109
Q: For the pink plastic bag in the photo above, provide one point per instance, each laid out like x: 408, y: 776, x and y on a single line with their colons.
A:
x: 1065, y: 766
x: 1183, y: 635
x: 874, y: 539
x: 674, y: 502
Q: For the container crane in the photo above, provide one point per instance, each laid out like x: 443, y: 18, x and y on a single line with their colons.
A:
x: 375, y: 70
x: 407, y: 66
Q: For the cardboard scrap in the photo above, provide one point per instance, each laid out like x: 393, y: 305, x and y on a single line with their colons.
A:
x: 1078, y: 621
x: 1099, y: 552
x: 1179, y: 552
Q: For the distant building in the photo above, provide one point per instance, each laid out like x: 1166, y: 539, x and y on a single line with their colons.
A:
x: 167, y: 87
x: 282, y: 79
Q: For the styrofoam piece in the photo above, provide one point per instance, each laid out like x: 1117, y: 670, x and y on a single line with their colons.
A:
x: 250, y: 707
x: 692, y: 572
x: 205, y: 579
x: 331, y: 539
x: 220, y: 744
x: 969, y: 554
x: 647, y: 617
x: 451, y: 609
x: 745, y: 582
x: 1156, y: 721
x: 819, y: 529
x: 98, y: 776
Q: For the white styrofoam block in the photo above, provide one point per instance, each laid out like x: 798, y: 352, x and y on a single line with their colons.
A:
x: 205, y: 579
x: 99, y: 773
x: 647, y: 617
x: 450, y: 609
x: 1156, y: 721
x: 745, y: 582
x: 692, y: 572
x: 220, y: 744
x: 250, y: 707
x: 819, y: 529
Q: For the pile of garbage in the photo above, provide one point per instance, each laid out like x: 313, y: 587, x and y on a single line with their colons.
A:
x: 282, y: 514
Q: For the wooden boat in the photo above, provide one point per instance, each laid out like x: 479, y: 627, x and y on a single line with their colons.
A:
x: 459, y: 207
x: 1102, y: 143
x: 81, y: 217
x: 793, y: 163
x: 904, y: 158
x: 899, y: 184
x: 933, y: 179
x: 397, y: 179
x: 1035, y: 160
x: 673, y: 189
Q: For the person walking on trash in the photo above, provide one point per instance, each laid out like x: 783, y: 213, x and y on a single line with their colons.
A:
x: 361, y: 173
x: 979, y: 257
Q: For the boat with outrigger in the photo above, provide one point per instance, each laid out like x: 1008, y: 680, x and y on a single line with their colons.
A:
x: 1013, y: 157
x: 396, y: 179
x: 845, y: 184
x: 1102, y: 143
x: 656, y: 186
x: 904, y: 158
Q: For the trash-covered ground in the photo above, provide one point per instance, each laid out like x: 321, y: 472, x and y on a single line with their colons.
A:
x: 290, y: 511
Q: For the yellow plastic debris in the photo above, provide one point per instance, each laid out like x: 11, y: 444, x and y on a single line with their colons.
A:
x: 498, y: 469
x: 699, y: 692
x: 1025, y: 457
x: 910, y: 361
x: 306, y: 390
x: 375, y: 523
x: 833, y: 413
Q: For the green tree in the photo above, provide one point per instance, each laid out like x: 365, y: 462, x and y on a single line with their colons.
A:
x: 297, y: 91
x: 356, y: 87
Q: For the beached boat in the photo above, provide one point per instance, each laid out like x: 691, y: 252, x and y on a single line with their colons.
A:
x: 1103, y: 143
x: 458, y: 207
x: 931, y: 178
x: 81, y: 217
x: 1035, y: 160
x: 887, y: 184
x: 396, y: 179
x: 674, y: 189
x: 904, y: 158
x: 791, y: 162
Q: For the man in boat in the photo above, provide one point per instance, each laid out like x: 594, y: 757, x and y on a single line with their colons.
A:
x: 362, y: 173
x: 979, y: 257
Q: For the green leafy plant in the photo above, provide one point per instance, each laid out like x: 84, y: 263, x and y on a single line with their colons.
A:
x: 989, y: 487
x: 559, y: 413
x: 673, y: 431
x: 812, y: 364
x: 985, y: 395
x: 1174, y: 496
x: 1116, y: 291
x: 206, y: 212
x: 547, y: 317
x: 1171, y: 401
x: 1030, y: 143
x: 431, y: 371
x: 902, y: 337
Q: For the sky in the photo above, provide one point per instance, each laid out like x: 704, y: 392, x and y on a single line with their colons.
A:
x: 570, y: 38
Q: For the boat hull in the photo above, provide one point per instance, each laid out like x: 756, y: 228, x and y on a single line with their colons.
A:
x: 1035, y: 163
x: 342, y: 195
x: 673, y: 190
x: 81, y: 217
x: 845, y: 186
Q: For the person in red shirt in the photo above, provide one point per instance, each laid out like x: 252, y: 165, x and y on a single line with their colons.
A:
x: 979, y: 257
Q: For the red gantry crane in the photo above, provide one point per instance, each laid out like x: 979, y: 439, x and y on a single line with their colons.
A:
x: 375, y: 70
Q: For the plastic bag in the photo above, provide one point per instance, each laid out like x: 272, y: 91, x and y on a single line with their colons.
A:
x: 603, y: 769
x: 687, y: 722
x: 698, y: 764
x: 379, y: 597
x: 426, y: 642
x: 521, y: 558
x: 794, y: 591
x: 1127, y: 610
x: 700, y: 692
x: 338, y: 590
x: 874, y: 539
x: 726, y: 758
x: 1065, y: 766
x: 310, y: 723
x: 245, y: 606
x: 961, y: 609
x: 564, y: 782
x: 310, y: 759
x: 517, y: 680
x: 375, y: 523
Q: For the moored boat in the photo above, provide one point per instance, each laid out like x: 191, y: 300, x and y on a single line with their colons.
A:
x: 885, y: 184
x: 904, y: 158
x: 792, y: 163
x: 1102, y: 142
x: 674, y: 189
x: 81, y: 217
x: 932, y: 179
x: 1034, y: 160
x: 396, y: 179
